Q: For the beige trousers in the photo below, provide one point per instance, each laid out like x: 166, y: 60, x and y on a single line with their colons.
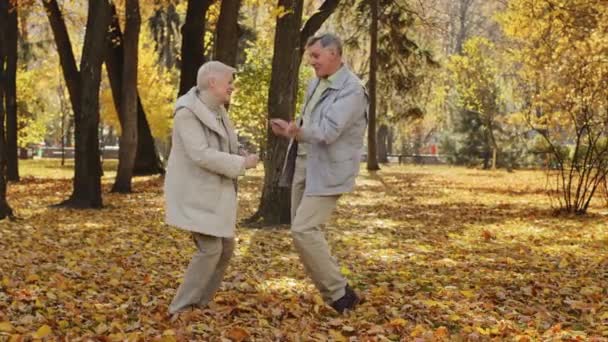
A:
x: 204, y: 273
x: 308, y: 214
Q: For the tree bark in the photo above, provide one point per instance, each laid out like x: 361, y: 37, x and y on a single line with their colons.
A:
x: 275, y: 203
x: 382, y: 144
x: 128, y: 138
x: 314, y: 23
x: 5, y: 209
x: 87, y: 177
x: 372, y: 160
x: 389, y: 140
x: 227, y: 33
x: 66, y: 55
x: 193, y: 33
x: 147, y: 160
x: 164, y: 25
x: 11, y: 29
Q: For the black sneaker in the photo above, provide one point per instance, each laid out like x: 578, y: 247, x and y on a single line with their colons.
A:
x: 347, y: 302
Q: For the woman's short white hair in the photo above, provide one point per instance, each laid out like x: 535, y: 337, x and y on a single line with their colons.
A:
x: 210, y: 69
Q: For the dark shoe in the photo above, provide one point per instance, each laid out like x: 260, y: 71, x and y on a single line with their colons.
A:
x: 347, y: 302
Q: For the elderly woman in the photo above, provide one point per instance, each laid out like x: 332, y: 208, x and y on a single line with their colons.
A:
x: 200, y: 185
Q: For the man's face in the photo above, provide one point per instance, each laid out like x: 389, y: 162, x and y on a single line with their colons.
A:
x: 325, y: 60
x: 222, y: 86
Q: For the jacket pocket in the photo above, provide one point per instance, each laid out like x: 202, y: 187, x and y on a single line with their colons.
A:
x: 206, y: 191
x: 340, y: 172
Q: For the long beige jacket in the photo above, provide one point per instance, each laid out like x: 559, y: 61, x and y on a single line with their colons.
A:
x: 200, y: 184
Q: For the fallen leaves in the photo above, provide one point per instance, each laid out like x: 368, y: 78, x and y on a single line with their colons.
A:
x: 237, y: 334
x: 42, y: 332
x: 434, y: 260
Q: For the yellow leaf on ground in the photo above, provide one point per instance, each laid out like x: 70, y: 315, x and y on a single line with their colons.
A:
x: 398, y: 322
x: 6, y: 327
x: 418, y: 331
x: 169, y: 332
x: 345, y: 271
x: 43, y: 331
x: 468, y: 293
x: 32, y: 278
x: 337, y: 336
x: 483, y: 331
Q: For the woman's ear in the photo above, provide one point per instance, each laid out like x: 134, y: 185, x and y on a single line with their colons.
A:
x: 212, y: 82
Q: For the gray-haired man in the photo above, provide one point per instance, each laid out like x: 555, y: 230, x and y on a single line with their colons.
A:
x: 323, y: 161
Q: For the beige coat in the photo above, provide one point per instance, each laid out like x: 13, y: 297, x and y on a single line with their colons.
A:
x: 200, y: 185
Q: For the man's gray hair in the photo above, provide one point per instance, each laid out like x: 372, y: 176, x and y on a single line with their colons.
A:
x: 326, y: 40
x: 210, y: 69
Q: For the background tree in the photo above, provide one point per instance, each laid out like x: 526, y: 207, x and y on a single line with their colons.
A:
x: 476, y: 83
x: 563, y: 71
x: 10, y: 96
x: 192, y: 50
x: 372, y: 159
x: 5, y: 7
x: 129, y: 99
x: 289, y: 43
x: 227, y: 33
x: 404, y: 66
x: 164, y: 25
x: 87, y: 171
x: 147, y: 159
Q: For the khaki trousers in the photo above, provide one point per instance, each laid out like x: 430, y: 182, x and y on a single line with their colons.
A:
x: 204, y: 273
x: 308, y: 214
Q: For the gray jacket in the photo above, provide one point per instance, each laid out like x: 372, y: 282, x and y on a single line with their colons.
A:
x: 335, y: 134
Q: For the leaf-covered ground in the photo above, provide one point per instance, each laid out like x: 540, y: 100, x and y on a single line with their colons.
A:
x: 439, y: 253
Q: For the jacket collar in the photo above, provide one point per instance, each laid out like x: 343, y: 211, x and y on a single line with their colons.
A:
x: 338, y: 79
x: 192, y: 101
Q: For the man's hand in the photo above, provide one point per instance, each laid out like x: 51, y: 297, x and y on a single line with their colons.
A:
x: 292, y: 130
x: 279, y: 127
x: 251, y: 161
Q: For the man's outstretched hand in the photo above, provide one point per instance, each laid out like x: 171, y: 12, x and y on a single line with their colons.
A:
x: 283, y: 128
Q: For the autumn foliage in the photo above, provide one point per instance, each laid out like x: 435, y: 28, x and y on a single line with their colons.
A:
x: 438, y: 253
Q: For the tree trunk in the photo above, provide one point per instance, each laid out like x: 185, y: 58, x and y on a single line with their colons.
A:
x: 164, y: 25
x: 275, y: 202
x: 66, y: 55
x: 382, y: 144
x: 87, y: 177
x: 372, y: 160
x: 147, y: 160
x: 314, y: 23
x: 193, y: 33
x: 11, y: 29
x: 128, y: 138
x: 389, y: 140
x: 5, y: 209
x: 227, y: 33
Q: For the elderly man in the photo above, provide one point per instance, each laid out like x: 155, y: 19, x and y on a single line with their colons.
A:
x: 323, y: 161
x: 200, y: 185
